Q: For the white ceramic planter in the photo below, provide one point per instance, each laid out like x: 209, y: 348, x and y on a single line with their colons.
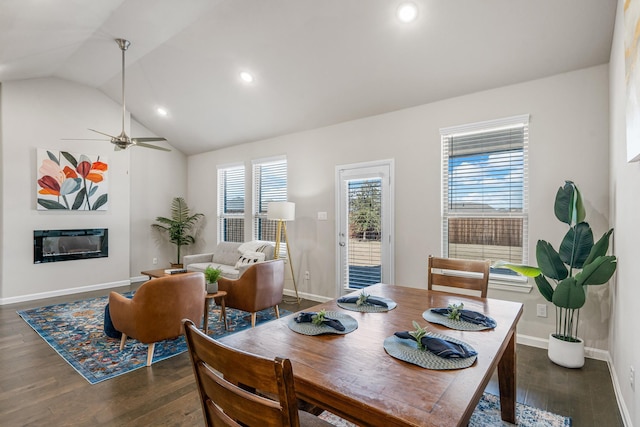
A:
x: 212, y: 288
x: 566, y: 353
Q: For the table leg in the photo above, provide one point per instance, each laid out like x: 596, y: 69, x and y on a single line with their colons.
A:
x: 223, y: 311
x: 507, y: 381
x: 206, y: 315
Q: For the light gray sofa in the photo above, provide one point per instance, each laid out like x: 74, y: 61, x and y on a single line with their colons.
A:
x: 231, y: 257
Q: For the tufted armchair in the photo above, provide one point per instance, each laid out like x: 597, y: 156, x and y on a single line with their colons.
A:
x: 156, y: 310
x: 259, y: 287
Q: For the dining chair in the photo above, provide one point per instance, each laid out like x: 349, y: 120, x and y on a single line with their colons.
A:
x: 454, y: 273
x: 237, y: 388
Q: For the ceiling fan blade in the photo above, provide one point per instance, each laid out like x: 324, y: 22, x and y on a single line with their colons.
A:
x: 84, y: 139
x: 102, y: 133
x: 150, y: 139
x: 142, y: 144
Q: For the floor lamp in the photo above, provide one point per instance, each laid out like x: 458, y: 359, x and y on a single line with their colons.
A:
x: 283, y: 212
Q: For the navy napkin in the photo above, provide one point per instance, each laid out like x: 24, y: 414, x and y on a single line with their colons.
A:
x: 469, y: 316
x: 441, y: 347
x: 308, y: 318
x: 370, y: 300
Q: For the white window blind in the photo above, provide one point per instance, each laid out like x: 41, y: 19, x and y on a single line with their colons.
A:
x: 231, y: 204
x: 269, y: 185
x: 485, y: 191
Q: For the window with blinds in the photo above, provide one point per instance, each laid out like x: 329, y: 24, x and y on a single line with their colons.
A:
x: 231, y: 204
x: 269, y: 185
x: 485, y: 191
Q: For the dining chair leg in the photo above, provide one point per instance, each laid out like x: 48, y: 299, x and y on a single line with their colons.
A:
x: 122, y: 341
x: 277, y: 310
x: 253, y: 320
x: 152, y: 347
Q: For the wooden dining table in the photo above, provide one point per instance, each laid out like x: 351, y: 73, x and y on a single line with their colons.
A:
x: 352, y: 375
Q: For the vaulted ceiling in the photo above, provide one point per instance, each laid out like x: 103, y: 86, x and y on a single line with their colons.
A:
x: 315, y: 62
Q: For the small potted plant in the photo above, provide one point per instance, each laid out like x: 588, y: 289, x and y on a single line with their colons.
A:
x: 211, y: 275
x: 578, y: 263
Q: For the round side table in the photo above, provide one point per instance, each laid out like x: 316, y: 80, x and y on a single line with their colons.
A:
x: 223, y: 311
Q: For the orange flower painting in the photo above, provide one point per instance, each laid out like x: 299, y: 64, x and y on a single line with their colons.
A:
x: 71, y: 181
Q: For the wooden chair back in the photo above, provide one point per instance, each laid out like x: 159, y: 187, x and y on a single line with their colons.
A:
x: 448, y: 275
x: 232, y: 384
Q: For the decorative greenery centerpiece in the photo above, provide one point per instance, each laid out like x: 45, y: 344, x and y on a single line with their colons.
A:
x: 578, y: 263
x: 454, y: 311
x: 180, y: 225
x: 418, y: 333
x: 362, y: 299
x: 319, y: 318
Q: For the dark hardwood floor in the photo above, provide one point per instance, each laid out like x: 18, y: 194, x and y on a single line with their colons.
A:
x: 38, y: 388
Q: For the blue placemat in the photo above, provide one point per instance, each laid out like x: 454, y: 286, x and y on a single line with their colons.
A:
x: 459, y: 325
x: 369, y: 308
x: 308, y: 328
x: 408, y: 351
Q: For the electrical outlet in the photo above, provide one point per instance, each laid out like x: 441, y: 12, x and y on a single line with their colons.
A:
x: 541, y: 310
x: 155, y: 261
x: 306, y: 275
x: 632, y: 378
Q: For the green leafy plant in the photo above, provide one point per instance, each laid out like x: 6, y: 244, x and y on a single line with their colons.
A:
x: 318, y: 318
x: 362, y: 299
x: 578, y: 263
x: 418, y: 333
x: 180, y: 225
x: 212, y: 274
x: 454, y: 311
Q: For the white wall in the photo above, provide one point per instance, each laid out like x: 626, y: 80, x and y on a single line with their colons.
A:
x: 156, y: 178
x: 568, y: 140
x: 625, y: 205
x: 40, y: 113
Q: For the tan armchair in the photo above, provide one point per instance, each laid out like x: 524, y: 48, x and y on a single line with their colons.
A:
x: 259, y: 287
x: 156, y: 310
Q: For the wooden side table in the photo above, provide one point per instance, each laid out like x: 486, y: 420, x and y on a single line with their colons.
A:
x: 223, y: 311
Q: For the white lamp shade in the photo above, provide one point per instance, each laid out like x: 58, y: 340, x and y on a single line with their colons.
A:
x: 283, y: 211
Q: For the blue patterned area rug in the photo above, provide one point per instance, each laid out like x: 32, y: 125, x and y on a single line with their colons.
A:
x: 75, y: 331
x: 487, y: 414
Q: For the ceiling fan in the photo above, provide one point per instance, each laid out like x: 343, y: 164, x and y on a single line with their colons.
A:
x: 123, y: 141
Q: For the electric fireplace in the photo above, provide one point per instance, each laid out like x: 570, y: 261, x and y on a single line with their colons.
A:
x: 67, y: 245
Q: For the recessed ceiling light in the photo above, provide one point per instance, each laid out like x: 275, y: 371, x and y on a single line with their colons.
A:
x: 246, y: 77
x: 407, y: 12
x: 162, y: 112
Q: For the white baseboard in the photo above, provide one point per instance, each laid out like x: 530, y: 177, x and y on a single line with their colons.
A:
x: 624, y: 411
x: 590, y: 352
x: 62, y: 292
x: 305, y: 295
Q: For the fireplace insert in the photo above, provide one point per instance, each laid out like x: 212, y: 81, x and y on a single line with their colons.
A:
x: 67, y: 245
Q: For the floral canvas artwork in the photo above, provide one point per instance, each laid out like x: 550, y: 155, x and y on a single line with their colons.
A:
x: 71, y: 181
x: 632, y: 76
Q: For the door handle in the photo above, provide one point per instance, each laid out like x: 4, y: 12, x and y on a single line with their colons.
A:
x: 341, y: 244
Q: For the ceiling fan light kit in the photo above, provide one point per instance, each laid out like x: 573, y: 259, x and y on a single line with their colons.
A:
x: 123, y: 141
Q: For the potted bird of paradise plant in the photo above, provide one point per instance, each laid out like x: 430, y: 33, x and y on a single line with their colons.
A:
x: 179, y: 227
x: 562, y: 276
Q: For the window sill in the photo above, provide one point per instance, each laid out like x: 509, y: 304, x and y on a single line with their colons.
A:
x: 520, y: 285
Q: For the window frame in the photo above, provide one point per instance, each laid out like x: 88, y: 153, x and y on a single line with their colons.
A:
x: 257, y: 213
x: 221, y: 214
x: 497, y: 280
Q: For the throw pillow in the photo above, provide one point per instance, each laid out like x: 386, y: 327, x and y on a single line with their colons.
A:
x: 250, y: 258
